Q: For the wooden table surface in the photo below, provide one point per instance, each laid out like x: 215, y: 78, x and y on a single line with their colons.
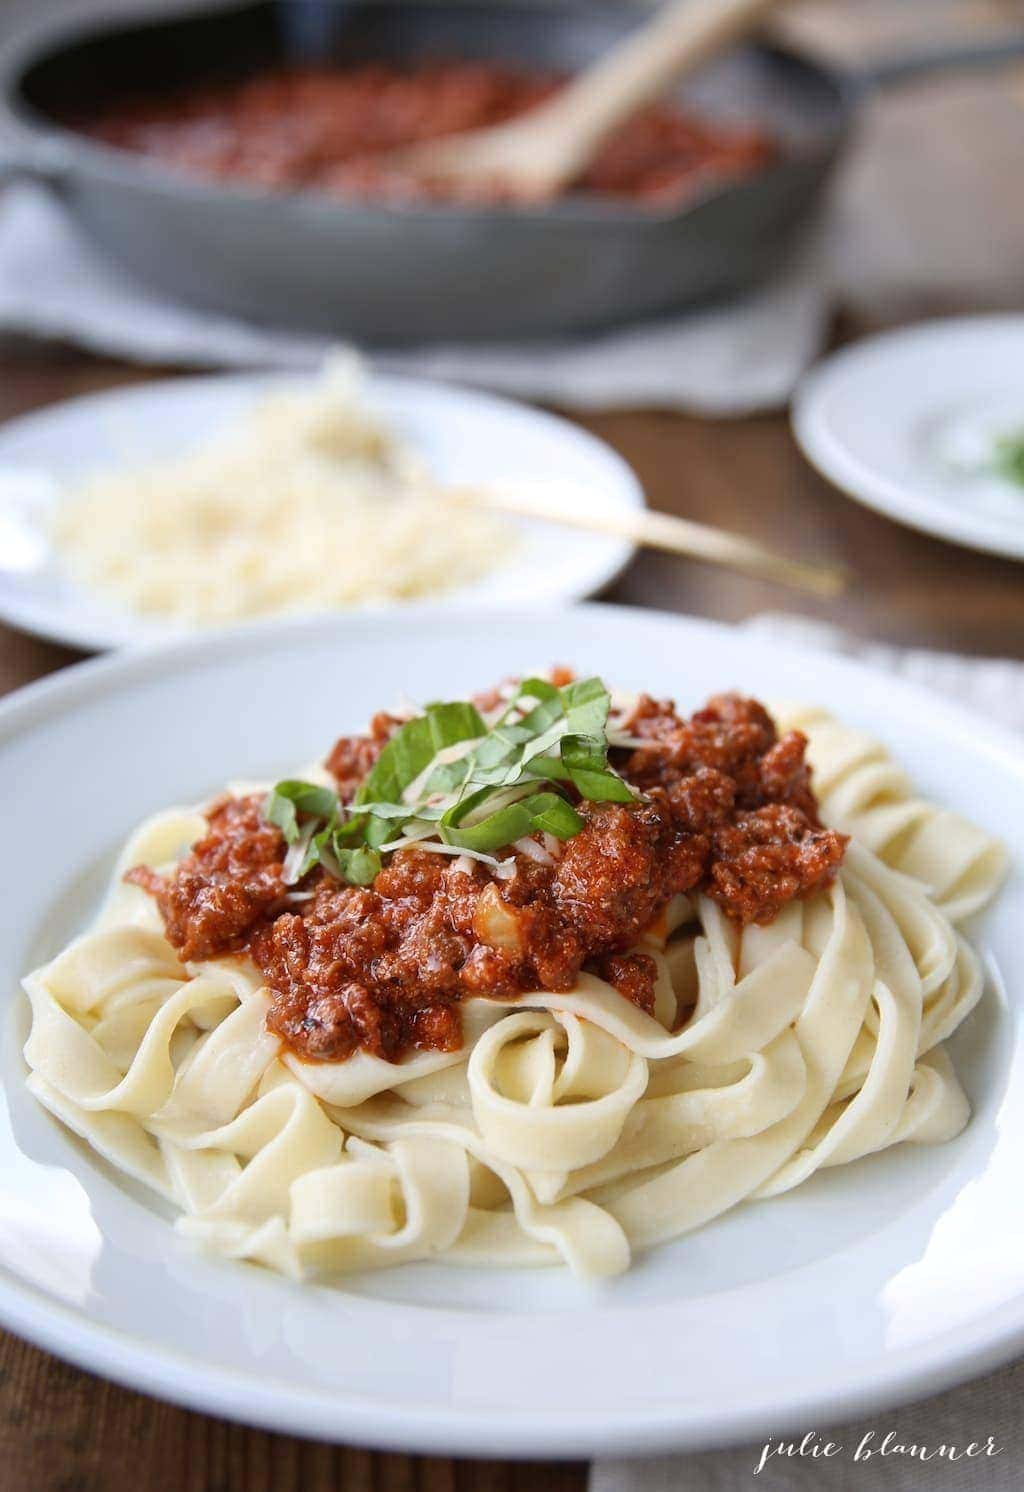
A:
x: 64, y: 1431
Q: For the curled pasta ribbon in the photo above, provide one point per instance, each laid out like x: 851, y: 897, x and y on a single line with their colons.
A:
x: 516, y: 1226
x: 352, y: 1199
x: 279, y: 1136
x: 863, y: 792
x: 518, y: 1095
x: 72, y: 1058
x: 128, y: 965
x: 688, y: 1193
x: 914, y: 957
x: 699, y: 1105
x: 377, y: 1207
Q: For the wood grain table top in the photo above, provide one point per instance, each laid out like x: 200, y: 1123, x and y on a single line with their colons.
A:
x: 62, y: 1430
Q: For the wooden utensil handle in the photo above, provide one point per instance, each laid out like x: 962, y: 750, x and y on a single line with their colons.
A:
x: 678, y: 38
x: 654, y: 530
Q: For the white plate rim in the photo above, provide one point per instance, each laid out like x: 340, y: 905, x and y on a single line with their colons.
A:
x: 57, y: 623
x: 908, y: 1373
x: 839, y: 465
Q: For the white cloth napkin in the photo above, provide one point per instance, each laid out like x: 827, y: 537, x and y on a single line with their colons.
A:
x: 990, y: 1406
x: 995, y: 686
x: 723, y: 360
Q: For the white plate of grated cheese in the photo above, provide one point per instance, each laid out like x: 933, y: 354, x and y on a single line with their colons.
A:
x: 191, y: 503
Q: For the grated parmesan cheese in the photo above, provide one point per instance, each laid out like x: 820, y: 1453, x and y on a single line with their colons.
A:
x: 305, y: 504
x: 533, y: 851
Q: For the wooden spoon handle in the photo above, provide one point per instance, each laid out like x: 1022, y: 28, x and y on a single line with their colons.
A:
x: 654, y: 530
x: 679, y: 37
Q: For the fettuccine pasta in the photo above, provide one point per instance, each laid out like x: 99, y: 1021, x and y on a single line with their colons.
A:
x: 572, y: 1126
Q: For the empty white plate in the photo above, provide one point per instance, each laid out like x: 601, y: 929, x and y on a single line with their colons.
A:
x: 464, y: 438
x: 910, y: 423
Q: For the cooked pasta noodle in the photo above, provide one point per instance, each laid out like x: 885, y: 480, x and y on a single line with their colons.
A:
x: 569, y: 1127
x: 863, y: 792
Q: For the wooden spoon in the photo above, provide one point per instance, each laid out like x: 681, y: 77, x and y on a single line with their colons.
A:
x: 537, y: 155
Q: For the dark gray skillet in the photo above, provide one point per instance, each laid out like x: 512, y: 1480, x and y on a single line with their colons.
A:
x: 412, y: 273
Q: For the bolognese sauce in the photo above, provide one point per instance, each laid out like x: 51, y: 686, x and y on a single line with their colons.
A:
x: 724, y: 807
x: 337, y: 130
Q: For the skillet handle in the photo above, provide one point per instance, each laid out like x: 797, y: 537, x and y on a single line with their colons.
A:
x: 884, y: 72
x: 879, y: 44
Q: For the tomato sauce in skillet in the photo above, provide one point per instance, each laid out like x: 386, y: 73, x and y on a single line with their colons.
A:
x: 334, y: 130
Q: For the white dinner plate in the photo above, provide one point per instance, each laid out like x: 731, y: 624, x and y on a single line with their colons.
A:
x: 905, y: 422
x: 464, y: 437
x: 873, y: 1283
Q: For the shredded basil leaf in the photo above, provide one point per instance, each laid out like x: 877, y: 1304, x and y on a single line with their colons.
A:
x: 379, y: 830
x: 360, y: 867
x: 583, y: 761
x: 413, y: 747
x: 580, y: 708
x: 288, y: 799
x: 537, y: 688
x: 539, y: 812
x: 484, y: 800
x: 1009, y: 458
x: 553, y: 815
x: 320, y: 840
x: 585, y: 758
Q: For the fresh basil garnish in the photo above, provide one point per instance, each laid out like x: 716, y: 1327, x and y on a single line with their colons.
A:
x: 413, y: 747
x: 288, y: 800
x: 482, y: 797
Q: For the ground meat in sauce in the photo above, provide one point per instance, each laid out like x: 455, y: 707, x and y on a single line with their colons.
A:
x: 728, y: 809
x: 224, y: 886
x: 332, y: 129
x: 632, y: 974
x: 353, y: 756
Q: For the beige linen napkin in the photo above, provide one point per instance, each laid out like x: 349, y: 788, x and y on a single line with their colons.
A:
x: 994, y: 686
x: 989, y: 1407
x: 728, y: 359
